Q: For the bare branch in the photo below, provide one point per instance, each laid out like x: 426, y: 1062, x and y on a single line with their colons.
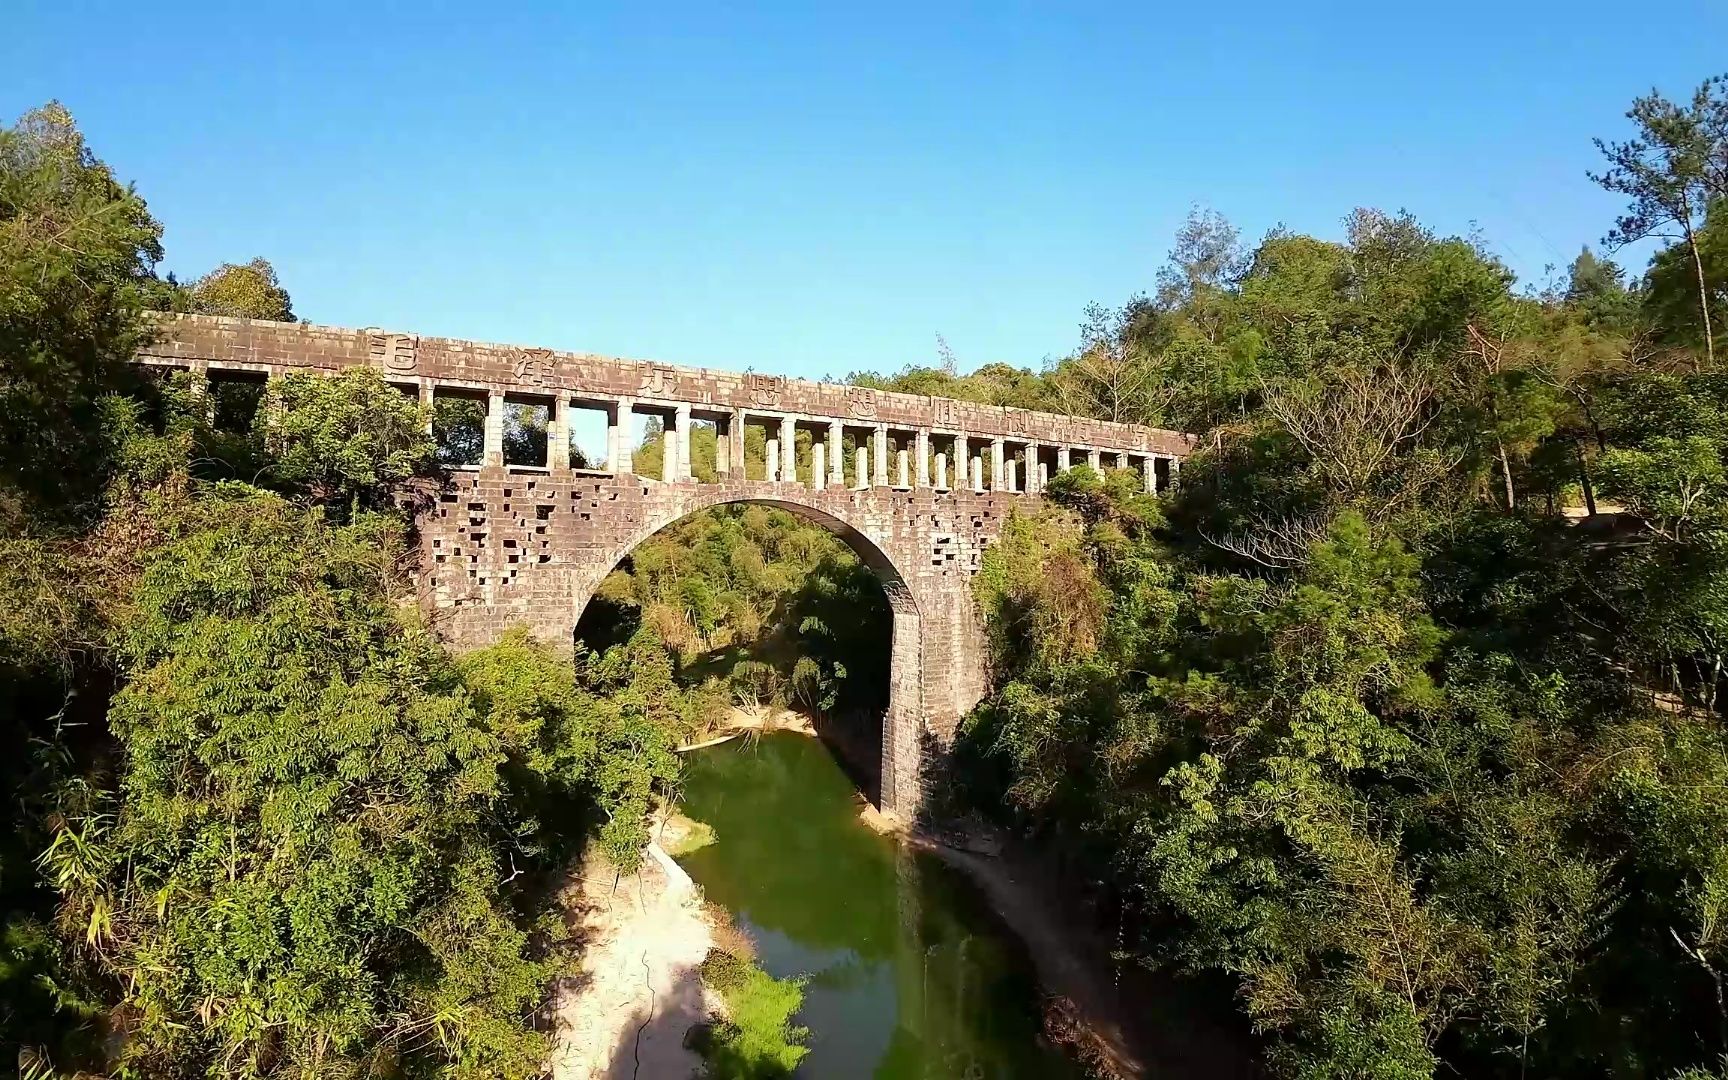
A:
x: 1354, y: 425
x: 1276, y: 543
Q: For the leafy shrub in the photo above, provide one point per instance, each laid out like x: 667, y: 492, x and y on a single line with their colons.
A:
x: 755, y: 1039
x: 351, y: 438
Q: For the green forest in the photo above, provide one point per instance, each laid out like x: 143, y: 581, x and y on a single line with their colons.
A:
x: 1400, y: 716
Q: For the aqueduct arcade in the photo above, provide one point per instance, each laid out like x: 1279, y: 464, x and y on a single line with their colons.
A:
x: 918, y: 486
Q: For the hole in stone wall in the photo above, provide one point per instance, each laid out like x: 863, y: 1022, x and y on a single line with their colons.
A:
x: 234, y: 399
x: 525, y: 428
x: 459, y: 428
x: 646, y: 434
x: 588, y: 428
x: 155, y: 383
x: 705, y: 451
x: 758, y: 433
x: 1047, y: 470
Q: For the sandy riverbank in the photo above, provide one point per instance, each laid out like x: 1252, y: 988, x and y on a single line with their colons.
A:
x: 625, y: 1015
x: 740, y: 722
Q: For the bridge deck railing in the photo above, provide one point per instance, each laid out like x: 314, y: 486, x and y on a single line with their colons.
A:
x: 899, y: 441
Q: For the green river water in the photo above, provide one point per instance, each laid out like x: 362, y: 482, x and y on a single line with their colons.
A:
x: 909, y: 974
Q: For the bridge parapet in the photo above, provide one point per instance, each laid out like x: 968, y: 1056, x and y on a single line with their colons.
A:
x: 916, y: 441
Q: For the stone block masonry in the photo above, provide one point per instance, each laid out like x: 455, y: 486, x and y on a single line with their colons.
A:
x: 505, y: 544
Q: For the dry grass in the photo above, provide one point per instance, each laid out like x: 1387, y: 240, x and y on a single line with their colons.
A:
x: 1064, y: 1026
x: 728, y: 937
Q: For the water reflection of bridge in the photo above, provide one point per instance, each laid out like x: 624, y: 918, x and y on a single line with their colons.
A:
x: 968, y: 1004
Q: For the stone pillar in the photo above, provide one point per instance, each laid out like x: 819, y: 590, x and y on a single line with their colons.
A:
x: 722, y: 449
x: 1063, y: 461
x: 881, y: 470
x: 426, y: 402
x: 921, y: 447
x: 1151, y: 474
x: 818, y: 466
x: 771, y: 460
x: 1175, y: 470
x: 863, y: 469
x: 837, y: 452
x: 1096, y: 460
x: 941, y: 471
x: 558, y: 435
x: 996, y: 464
x: 903, y: 724
x: 902, y: 468
x: 788, y: 450
x: 977, y: 474
x: 199, y: 389
x: 1030, y: 472
x: 683, y: 441
x: 1043, y: 476
x: 492, y: 454
x: 1010, y: 475
x: 1121, y: 460
x: 620, y: 455
x: 735, y: 437
x: 962, y: 461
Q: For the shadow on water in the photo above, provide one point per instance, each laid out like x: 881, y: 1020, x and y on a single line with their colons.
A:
x: 854, y: 741
x: 910, y: 975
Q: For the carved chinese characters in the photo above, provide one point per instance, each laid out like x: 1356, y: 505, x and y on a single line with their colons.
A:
x: 395, y: 353
x: 533, y: 367
x: 765, y: 389
x: 658, y: 380
x: 861, y: 402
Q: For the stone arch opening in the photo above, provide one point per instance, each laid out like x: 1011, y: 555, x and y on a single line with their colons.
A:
x: 902, y: 744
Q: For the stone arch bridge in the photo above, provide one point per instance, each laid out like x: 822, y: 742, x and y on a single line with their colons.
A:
x: 926, y: 489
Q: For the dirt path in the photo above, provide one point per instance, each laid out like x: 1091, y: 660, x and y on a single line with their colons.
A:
x: 1135, y: 1019
x: 624, y: 1017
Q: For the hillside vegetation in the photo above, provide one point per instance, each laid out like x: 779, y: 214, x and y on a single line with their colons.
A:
x: 261, y: 824
x: 1404, y: 713
x: 1401, y: 716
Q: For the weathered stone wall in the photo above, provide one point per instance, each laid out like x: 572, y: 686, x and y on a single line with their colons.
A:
x: 504, y: 545
x: 502, y: 549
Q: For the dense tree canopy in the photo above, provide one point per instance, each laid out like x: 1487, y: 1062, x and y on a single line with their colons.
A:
x: 246, y: 291
x: 263, y: 824
x: 77, y: 252
x: 1403, y: 714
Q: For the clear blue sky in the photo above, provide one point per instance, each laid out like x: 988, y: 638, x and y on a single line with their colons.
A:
x: 810, y: 189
